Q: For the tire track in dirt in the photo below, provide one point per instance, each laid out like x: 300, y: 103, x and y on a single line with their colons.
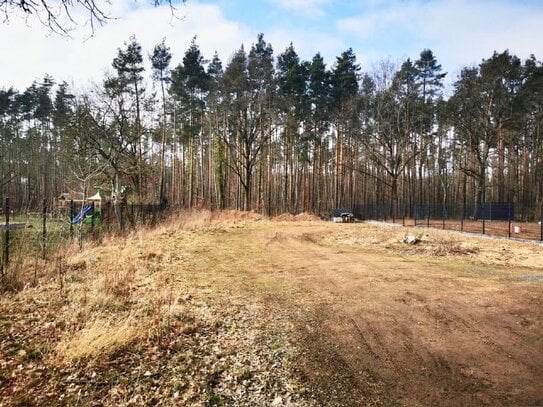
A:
x: 409, y: 333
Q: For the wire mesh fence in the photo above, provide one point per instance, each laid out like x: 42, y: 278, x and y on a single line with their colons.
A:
x: 501, y: 219
x: 37, y: 236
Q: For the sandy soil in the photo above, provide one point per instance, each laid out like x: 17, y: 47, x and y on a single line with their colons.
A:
x: 382, y: 327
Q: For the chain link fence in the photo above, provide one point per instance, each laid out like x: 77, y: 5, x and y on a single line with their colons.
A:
x: 36, y: 237
x: 501, y: 219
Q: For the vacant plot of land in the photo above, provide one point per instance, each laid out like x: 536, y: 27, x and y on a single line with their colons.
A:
x: 398, y: 329
x: 245, y: 311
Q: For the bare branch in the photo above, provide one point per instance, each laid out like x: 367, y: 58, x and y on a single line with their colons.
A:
x: 59, y: 17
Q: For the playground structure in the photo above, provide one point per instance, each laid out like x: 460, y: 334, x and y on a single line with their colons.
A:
x: 39, y: 234
x: 78, y: 208
x: 66, y: 201
x: 88, y: 213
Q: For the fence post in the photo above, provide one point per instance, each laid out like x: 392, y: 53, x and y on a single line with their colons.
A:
x: 541, y: 223
x: 5, y: 257
x: 484, y: 217
x: 92, y: 219
x: 121, y: 219
x: 106, y: 215
x: 509, y: 219
x: 71, y: 216
x: 44, y: 229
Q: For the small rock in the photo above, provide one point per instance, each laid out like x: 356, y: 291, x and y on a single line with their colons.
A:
x: 278, y: 401
x: 411, y: 239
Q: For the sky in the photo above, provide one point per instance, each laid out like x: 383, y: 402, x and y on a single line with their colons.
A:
x: 459, y: 32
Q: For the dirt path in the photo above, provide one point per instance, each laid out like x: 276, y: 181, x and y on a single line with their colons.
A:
x: 386, y: 329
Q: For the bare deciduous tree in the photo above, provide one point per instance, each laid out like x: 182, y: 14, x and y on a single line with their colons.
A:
x: 63, y: 16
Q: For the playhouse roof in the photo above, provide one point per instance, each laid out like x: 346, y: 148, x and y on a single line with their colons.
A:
x: 78, y: 196
x: 95, y: 197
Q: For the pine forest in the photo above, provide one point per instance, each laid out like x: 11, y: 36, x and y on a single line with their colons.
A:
x: 272, y: 133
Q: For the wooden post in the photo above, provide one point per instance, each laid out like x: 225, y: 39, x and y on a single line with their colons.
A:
x: 484, y: 217
x: 462, y: 216
x: 44, y: 229
x: 5, y: 257
x: 541, y: 223
x: 92, y: 219
x: 71, y: 216
x: 121, y: 219
x: 509, y: 219
x: 106, y: 215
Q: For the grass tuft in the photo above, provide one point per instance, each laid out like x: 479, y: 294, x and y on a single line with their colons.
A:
x: 101, y: 337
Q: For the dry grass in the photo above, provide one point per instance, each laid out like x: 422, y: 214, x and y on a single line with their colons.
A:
x: 188, y: 289
x: 301, y: 217
x: 200, y: 219
x: 136, y: 278
x: 436, y: 243
x: 98, y: 338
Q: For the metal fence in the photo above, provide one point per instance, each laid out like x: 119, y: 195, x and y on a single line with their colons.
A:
x: 38, y: 235
x: 501, y: 219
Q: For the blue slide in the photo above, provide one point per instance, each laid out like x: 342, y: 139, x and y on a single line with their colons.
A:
x: 82, y: 215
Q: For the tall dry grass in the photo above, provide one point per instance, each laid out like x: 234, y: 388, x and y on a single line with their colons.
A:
x: 124, y: 288
x: 201, y: 219
x: 98, y: 338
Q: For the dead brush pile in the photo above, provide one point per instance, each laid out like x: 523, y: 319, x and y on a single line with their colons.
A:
x: 432, y: 243
x: 438, y: 246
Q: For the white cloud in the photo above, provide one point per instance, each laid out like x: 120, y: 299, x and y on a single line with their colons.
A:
x: 29, y: 53
x: 379, y: 22
x: 460, y: 32
x: 466, y: 32
x: 306, y: 8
